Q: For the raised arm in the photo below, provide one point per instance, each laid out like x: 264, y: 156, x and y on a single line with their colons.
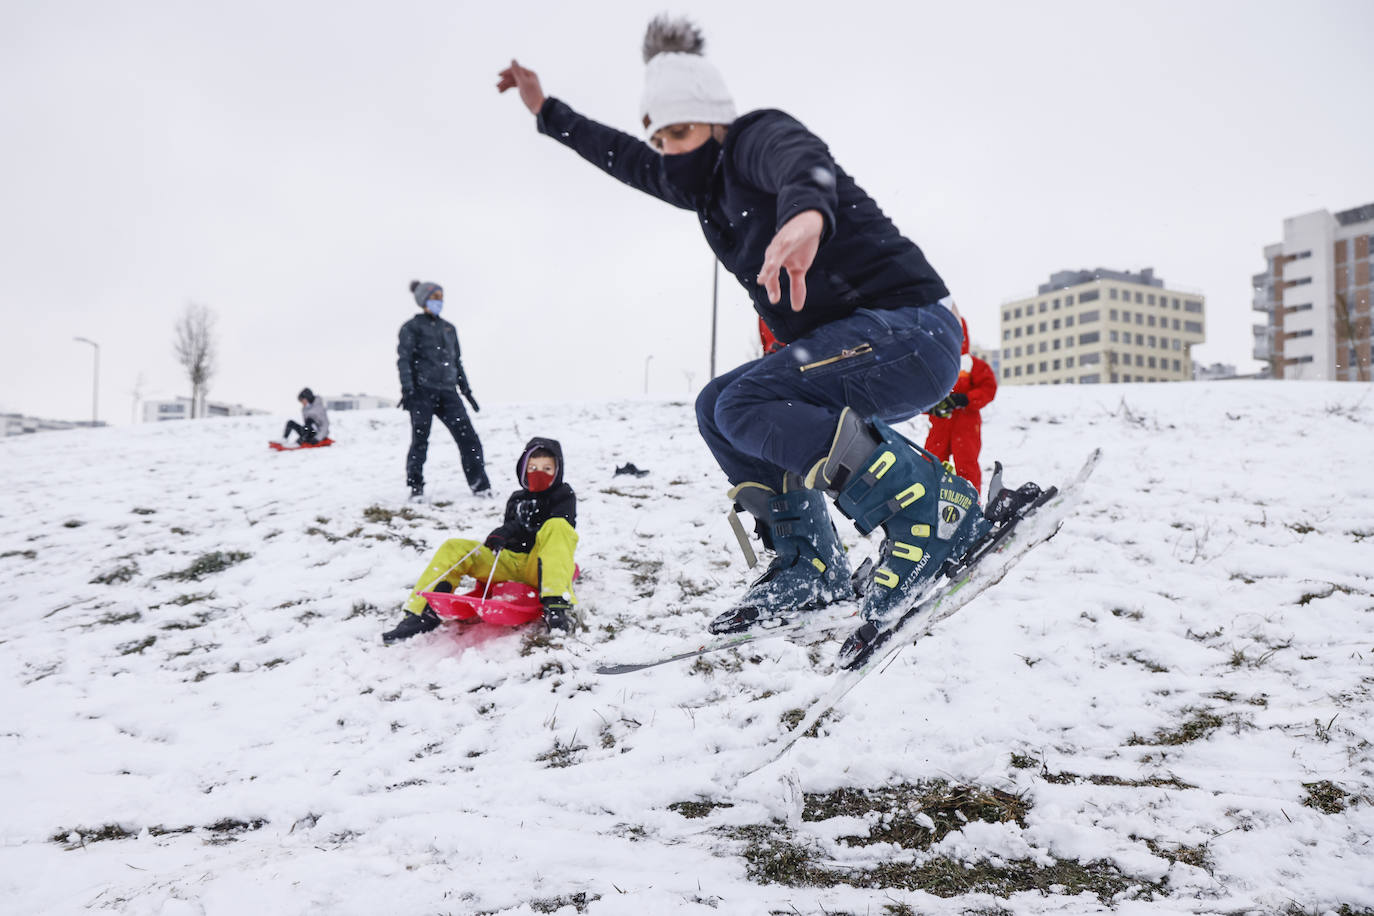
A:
x: 618, y: 154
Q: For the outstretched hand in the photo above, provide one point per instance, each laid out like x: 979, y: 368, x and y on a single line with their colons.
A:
x: 792, y: 249
x: 526, y: 81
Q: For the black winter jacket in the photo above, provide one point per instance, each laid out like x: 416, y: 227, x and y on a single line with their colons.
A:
x: 772, y: 168
x: 527, y: 511
x: 427, y: 355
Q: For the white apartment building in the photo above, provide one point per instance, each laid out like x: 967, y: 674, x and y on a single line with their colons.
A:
x: 180, y: 409
x: 17, y: 424
x: 1315, y: 297
x: 356, y: 402
x: 1089, y: 327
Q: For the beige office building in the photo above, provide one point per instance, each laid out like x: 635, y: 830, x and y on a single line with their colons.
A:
x: 1087, y: 327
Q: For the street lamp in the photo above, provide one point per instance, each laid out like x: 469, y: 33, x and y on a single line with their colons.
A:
x: 647, y: 359
x: 95, y: 381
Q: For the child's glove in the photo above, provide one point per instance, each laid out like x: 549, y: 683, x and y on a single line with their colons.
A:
x: 495, y: 542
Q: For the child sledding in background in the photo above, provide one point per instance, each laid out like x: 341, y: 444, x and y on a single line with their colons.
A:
x: 314, y: 427
x: 533, y: 545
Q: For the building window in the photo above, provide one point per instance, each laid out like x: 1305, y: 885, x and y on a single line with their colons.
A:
x: 1090, y: 359
x: 1068, y: 300
x: 1151, y: 321
x: 1178, y: 344
x: 1152, y: 340
x: 1056, y: 343
x: 1056, y: 304
x: 1043, y: 346
x: 1016, y: 332
x: 1089, y: 316
x: 1112, y: 292
x: 1139, y: 317
x: 1126, y: 316
x: 1056, y: 365
x: 1093, y: 379
x: 1056, y: 324
x: 1017, y: 313
x: 1150, y: 299
x: 1307, y: 333
x: 1006, y: 335
x: 1140, y: 360
x: 1043, y: 364
x: 1030, y: 368
x: 1044, y: 326
x: 1089, y: 337
x: 1175, y: 303
x: 1068, y: 321
x: 1151, y: 362
x: 1068, y: 362
x: 1006, y: 316
x: 1193, y: 305
x: 1091, y: 295
x: 1193, y: 327
x: 1111, y: 335
x: 1043, y: 306
x: 1068, y: 341
x: 1305, y: 307
x: 1177, y: 367
x: 1111, y: 314
x: 1176, y: 324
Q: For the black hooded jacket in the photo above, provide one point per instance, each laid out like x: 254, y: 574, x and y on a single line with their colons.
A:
x: 527, y: 511
x: 772, y: 168
x: 428, y: 356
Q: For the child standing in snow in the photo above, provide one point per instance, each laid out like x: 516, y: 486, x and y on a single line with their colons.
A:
x: 956, y: 423
x: 315, y: 420
x: 534, y: 545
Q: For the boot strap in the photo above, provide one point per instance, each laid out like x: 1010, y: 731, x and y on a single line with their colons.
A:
x: 743, y: 537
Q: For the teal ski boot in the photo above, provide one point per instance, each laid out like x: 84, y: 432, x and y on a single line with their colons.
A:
x: 929, y: 515
x: 809, y: 569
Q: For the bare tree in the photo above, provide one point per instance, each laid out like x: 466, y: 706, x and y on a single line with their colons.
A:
x: 194, y: 345
x: 1347, y: 336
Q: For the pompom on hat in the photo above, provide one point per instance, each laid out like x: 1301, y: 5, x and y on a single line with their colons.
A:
x: 680, y: 85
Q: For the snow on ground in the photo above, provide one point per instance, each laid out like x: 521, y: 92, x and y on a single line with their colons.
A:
x: 1166, y: 708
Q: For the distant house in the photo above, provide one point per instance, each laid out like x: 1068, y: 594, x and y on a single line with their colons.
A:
x: 15, y: 424
x: 356, y: 402
x: 180, y: 409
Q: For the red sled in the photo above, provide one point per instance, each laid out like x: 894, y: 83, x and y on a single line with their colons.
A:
x: 509, y: 604
x: 293, y: 448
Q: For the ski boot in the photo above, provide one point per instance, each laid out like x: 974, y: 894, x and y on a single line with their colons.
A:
x: 930, y: 516
x: 556, y: 610
x: 1004, y: 504
x: 412, y: 625
x: 809, y: 569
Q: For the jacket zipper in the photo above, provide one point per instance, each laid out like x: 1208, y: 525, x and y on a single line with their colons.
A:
x: 849, y: 353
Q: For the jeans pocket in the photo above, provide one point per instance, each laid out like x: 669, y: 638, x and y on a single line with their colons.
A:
x: 848, y: 359
x: 894, y: 389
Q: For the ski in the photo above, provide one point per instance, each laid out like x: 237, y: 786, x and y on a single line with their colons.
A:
x: 1008, y: 544
x: 818, y: 622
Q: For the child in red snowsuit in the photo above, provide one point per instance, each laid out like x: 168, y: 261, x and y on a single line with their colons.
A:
x: 956, y: 427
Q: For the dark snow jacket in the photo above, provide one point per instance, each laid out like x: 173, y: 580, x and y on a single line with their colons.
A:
x: 427, y: 355
x: 771, y: 168
x: 526, y: 511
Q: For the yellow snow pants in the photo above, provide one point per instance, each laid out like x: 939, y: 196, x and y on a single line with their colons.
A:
x: 548, y: 567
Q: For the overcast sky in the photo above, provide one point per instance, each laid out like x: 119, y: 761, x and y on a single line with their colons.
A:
x: 293, y: 165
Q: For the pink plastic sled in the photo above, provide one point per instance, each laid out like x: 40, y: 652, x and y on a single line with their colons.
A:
x: 508, y: 603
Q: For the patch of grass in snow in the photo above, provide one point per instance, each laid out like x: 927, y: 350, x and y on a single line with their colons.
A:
x: 207, y: 564
x: 384, y: 516
x: 644, y: 573
x: 1196, y: 856
x: 221, y: 831
x: 1154, y: 782
x: 1309, y: 597
x: 695, y: 809
x: 331, y: 538
x: 1024, y: 762
x: 1200, y: 724
x: 579, y: 901
x: 773, y: 856
x: 1132, y: 615
x: 26, y: 554
x: 1147, y: 663
x: 562, y: 755
x: 121, y: 573
x: 1325, y: 796
x: 915, y: 816
x: 136, y: 647
x: 140, y: 510
x: 361, y: 609
x: 73, y: 523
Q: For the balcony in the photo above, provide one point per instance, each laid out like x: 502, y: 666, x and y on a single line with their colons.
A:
x: 1264, y: 342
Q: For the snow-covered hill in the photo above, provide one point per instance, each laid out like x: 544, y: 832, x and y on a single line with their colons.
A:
x: 1168, y: 707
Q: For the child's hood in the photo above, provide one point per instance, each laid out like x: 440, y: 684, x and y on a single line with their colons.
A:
x: 536, y: 443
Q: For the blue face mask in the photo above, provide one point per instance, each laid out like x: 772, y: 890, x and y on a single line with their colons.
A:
x: 435, y: 306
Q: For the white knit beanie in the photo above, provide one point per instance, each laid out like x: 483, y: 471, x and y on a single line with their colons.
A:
x: 680, y: 86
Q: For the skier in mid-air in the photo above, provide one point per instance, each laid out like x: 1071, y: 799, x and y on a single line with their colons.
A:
x: 872, y: 338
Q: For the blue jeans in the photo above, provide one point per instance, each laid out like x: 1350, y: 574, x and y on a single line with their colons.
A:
x: 779, y: 413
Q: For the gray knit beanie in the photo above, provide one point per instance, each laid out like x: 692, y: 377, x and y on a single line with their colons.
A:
x: 423, y: 291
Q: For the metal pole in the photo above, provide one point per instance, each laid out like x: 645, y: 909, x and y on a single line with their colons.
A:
x: 646, y: 372
x: 95, y: 381
x: 715, y: 299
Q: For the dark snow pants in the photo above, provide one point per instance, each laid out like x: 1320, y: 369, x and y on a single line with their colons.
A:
x: 305, y: 433
x: 779, y: 413
x: 426, y: 404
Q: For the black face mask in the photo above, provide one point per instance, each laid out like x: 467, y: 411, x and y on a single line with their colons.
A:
x: 691, y: 172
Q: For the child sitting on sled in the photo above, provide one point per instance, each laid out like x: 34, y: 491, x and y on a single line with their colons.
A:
x: 534, y: 545
x: 315, y: 426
